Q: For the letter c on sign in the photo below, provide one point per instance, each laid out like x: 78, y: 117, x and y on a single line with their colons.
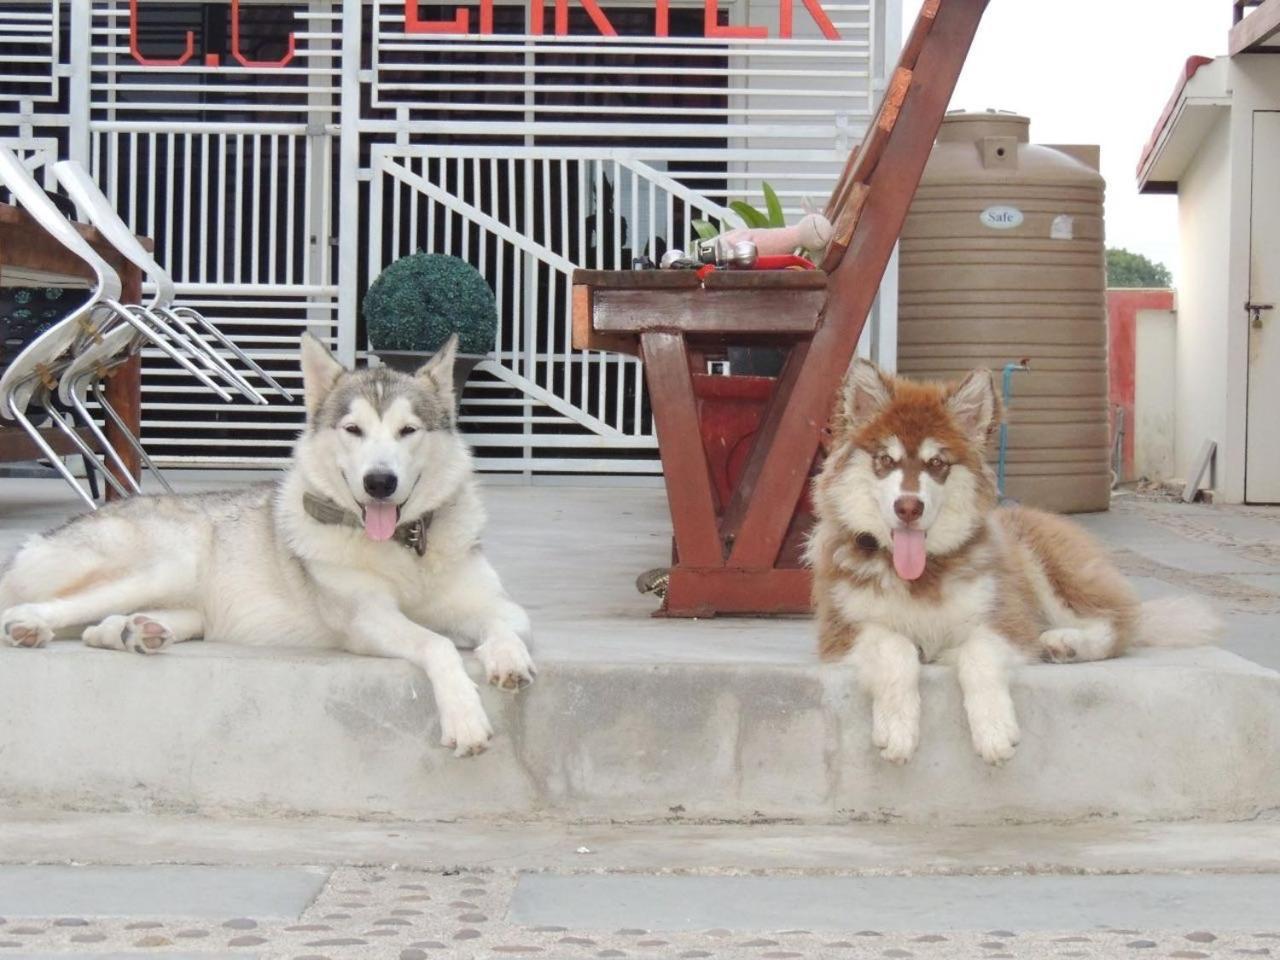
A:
x: 148, y: 62
x: 235, y: 44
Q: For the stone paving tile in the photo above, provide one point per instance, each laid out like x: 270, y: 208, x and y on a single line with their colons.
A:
x: 381, y: 927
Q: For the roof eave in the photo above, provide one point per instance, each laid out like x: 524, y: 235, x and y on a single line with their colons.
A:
x: 1191, y: 112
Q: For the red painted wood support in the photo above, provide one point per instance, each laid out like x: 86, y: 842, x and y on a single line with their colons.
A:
x: 742, y: 554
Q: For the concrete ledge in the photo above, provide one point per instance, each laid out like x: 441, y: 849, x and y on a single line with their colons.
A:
x: 216, y: 729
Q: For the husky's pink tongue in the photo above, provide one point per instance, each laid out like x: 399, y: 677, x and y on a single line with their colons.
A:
x: 908, y: 553
x: 380, y: 520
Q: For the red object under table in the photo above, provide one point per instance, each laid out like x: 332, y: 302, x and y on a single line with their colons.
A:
x: 738, y: 457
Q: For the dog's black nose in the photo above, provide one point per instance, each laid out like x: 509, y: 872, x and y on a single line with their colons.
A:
x: 380, y: 484
x: 908, y: 509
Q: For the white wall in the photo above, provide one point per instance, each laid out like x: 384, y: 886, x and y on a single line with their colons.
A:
x: 1155, y: 394
x: 1254, y: 80
x: 1204, y: 229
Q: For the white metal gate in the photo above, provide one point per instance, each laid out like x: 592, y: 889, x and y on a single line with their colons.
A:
x: 280, y: 154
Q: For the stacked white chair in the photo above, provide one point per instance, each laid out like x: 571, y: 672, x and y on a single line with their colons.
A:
x: 65, y: 363
x: 95, y: 205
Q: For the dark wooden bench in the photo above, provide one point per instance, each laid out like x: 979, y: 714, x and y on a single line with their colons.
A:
x: 742, y: 554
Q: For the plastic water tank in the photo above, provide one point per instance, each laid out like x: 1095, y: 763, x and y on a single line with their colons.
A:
x: 1002, y: 258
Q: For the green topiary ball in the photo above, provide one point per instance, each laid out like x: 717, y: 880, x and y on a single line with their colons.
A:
x: 418, y: 301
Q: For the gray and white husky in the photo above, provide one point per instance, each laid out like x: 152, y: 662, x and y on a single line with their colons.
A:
x: 369, y: 543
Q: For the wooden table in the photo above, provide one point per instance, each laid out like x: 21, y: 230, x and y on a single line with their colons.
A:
x: 741, y: 553
x: 29, y: 254
x: 675, y: 323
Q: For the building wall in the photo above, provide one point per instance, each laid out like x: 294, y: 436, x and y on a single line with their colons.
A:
x: 1128, y: 357
x: 1155, y: 394
x: 1204, y: 228
x: 1254, y: 82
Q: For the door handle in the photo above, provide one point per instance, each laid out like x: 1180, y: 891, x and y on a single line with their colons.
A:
x: 1255, y: 312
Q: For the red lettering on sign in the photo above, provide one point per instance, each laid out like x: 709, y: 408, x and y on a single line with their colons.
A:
x: 712, y: 27
x: 235, y: 44
x: 459, y: 24
x: 593, y: 11
x: 815, y: 10
x: 147, y: 61
x: 661, y: 19
x: 537, y: 12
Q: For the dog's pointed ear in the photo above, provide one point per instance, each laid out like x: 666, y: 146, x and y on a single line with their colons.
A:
x: 320, y: 371
x: 865, y: 392
x: 437, y: 372
x: 975, y: 404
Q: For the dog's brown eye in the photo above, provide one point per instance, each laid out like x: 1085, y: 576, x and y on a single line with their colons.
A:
x: 352, y: 429
x: 936, y: 463
x: 408, y: 431
x: 885, y: 462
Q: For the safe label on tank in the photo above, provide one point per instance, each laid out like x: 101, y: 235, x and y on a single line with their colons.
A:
x: 1001, y: 217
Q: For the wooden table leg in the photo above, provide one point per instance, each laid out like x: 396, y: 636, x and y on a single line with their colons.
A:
x: 684, y: 461
x: 124, y: 393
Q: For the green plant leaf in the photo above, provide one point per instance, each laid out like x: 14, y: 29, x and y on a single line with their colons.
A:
x: 705, y: 229
x: 772, y: 204
x: 750, y: 215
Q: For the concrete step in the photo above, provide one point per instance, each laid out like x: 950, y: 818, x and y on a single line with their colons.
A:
x: 217, y: 729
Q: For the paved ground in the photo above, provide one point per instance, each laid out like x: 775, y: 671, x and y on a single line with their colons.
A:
x: 389, y: 912
x: 345, y: 889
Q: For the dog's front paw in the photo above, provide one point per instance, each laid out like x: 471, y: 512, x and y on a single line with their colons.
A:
x: 896, y: 733
x: 463, y: 725
x: 136, y: 634
x: 506, y: 663
x: 1061, y: 645
x: 996, y: 737
x: 20, y: 627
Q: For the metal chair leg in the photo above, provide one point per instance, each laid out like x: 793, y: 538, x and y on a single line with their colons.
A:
x: 85, y: 450
x: 144, y: 327
x: 87, y: 419
x: 223, y: 339
x: 134, y: 442
x: 44, y: 447
x: 226, y: 369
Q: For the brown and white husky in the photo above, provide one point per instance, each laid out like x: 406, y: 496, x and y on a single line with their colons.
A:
x: 914, y: 562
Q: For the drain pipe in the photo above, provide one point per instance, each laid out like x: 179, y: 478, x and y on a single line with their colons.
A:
x: 1006, y: 392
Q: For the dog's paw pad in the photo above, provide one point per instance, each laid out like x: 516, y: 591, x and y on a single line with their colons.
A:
x: 145, y: 635
x: 136, y: 634
x: 507, y: 666
x: 21, y: 629
x: 1060, y: 646
x: 466, y: 736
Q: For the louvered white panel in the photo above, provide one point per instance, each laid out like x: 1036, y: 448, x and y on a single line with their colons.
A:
x: 526, y: 148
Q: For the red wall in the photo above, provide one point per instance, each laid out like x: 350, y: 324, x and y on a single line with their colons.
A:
x: 1122, y: 321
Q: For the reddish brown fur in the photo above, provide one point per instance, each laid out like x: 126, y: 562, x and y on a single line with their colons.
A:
x: 1009, y: 544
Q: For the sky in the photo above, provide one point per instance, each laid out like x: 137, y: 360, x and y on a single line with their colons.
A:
x: 1099, y: 72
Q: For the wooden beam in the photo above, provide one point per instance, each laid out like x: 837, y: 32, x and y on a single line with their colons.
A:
x: 693, y: 592
x: 690, y: 494
x: 855, y: 282
x: 730, y: 312
x: 16, y: 446
x: 1256, y: 29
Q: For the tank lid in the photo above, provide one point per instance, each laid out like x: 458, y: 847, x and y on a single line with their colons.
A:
x: 974, y: 125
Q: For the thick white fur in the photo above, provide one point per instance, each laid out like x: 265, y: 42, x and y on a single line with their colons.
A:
x: 1178, y: 622
x: 989, y: 606
x: 251, y: 567
x: 897, y: 631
